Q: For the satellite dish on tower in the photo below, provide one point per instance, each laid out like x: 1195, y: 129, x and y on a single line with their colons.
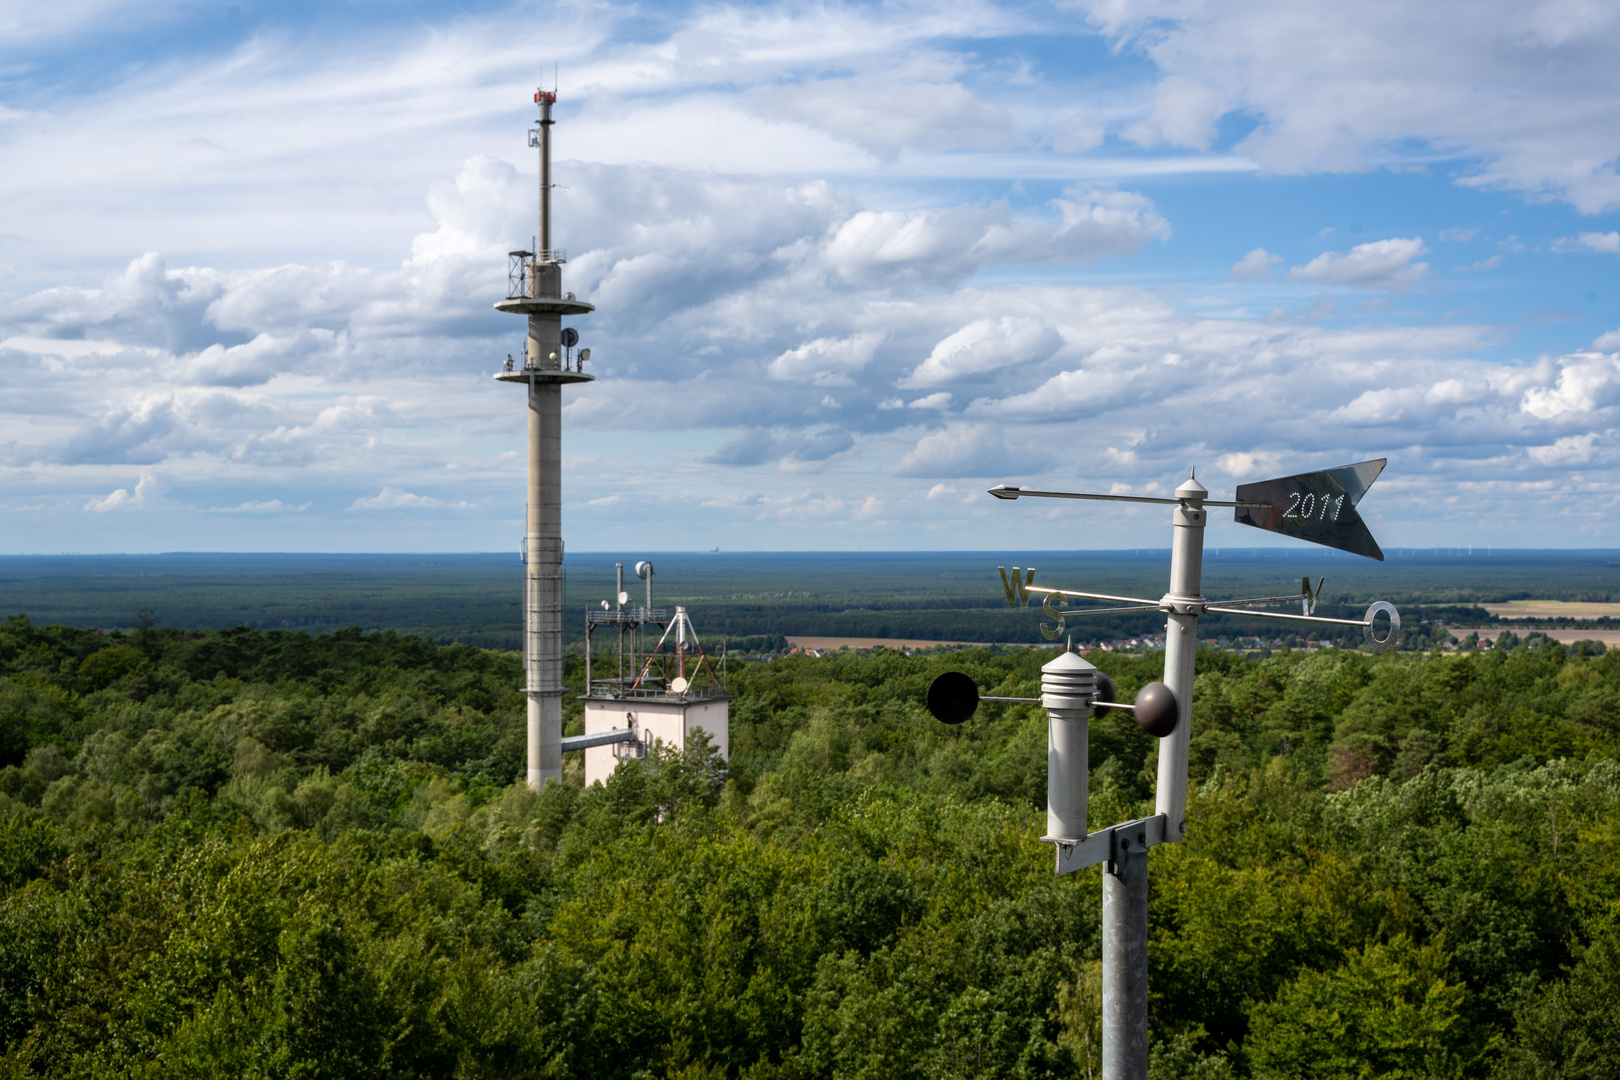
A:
x: 678, y: 685
x: 644, y: 570
x: 624, y: 597
x: 570, y: 337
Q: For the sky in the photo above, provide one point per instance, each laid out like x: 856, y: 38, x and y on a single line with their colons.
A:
x: 852, y: 265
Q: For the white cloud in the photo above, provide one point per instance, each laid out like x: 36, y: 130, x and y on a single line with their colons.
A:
x: 985, y: 347
x: 827, y: 361
x: 761, y: 447
x: 753, y: 199
x: 123, y: 499
x: 1585, y: 383
x: 1382, y: 264
x: 393, y: 498
x: 1340, y: 87
x: 1255, y: 266
x: 959, y: 450
x: 1608, y: 243
x: 885, y: 113
x: 1076, y: 135
x: 1243, y: 465
x: 1570, y: 450
x: 942, y: 247
x: 1484, y: 264
x: 265, y: 506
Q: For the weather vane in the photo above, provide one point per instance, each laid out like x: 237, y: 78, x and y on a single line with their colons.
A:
x: 1318, y: 507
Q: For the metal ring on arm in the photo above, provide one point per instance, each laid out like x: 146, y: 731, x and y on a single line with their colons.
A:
x: 1393, y: 637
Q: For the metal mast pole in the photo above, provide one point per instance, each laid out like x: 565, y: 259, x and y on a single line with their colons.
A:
x: 545, y: 174
x: 1125, y: 884
x: 1185, y: 600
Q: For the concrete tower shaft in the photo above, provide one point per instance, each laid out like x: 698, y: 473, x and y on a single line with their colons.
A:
x: 547, y: 366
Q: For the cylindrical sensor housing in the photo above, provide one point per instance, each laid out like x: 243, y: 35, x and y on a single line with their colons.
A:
x: 1068, y: 687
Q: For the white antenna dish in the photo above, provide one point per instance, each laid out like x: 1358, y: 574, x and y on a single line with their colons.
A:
x: 644, y: 570
x: 605, y: 603
x: 624, y: 598
x: 678, y: 685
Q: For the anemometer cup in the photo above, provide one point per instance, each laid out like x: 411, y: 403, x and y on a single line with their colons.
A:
x: 1157, y: 711
x: 953, y: 697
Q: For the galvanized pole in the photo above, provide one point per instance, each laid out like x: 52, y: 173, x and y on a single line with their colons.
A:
x: 1181, y: 650
x: 1125, y: 880
x: 1124, y: 962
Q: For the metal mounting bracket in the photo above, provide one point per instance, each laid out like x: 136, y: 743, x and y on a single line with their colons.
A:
x: 1106, y: 845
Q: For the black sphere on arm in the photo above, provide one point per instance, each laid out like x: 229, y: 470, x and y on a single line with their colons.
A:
x: 1156, y: 709
x: 1105, y: 692
x: 952, y: 698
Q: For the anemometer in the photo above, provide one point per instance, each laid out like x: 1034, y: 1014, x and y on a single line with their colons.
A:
x: 1317, y: 507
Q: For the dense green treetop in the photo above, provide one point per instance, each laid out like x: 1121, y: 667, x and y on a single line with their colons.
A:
x: 267, y: 854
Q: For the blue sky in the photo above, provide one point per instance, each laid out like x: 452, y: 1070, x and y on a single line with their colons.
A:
x: 854, y: 263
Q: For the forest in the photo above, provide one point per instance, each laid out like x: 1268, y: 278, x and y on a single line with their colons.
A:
x: 752, y: 599
x: 266, y: 853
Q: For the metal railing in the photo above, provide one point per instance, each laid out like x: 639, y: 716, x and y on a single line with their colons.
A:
x: 610, y: 688
x: 629, y: 615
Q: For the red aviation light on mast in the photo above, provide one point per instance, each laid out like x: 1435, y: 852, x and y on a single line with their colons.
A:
x: 548, y: 96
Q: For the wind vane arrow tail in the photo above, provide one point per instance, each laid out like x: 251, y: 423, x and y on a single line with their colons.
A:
x: 1318, y: 507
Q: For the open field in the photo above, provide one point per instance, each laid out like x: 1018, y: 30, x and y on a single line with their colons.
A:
x: 1567, y: 635
x: 1553, y: 609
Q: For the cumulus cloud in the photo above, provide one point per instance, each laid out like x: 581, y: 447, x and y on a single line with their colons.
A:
x: 144, y: 493
x: 984, y: 347
x: 1382, y: 264
x: 1565, y: 452
x: 1585, y: 383
x: 960, y: 450
x: 827, y: 361
x: 1608, y: 243
x: 942, y: 247
x: 1255, y: 266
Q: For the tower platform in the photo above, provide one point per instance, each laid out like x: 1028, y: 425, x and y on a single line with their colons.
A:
x: 542, y: 375
x: 543, y: 305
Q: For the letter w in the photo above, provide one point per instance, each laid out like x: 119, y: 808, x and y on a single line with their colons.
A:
x: 1017, y: 589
